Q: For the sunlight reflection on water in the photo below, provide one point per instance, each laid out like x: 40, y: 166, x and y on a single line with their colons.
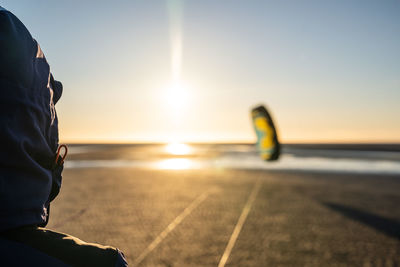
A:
x: 175, y: 164
x: 178, y: 149
x: 178, y: 156
x: 249, y: 163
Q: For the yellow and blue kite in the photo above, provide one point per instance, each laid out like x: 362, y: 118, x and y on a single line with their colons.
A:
x: 267, y: 137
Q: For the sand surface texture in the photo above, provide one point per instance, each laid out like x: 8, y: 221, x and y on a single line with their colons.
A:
x: 188, y: 217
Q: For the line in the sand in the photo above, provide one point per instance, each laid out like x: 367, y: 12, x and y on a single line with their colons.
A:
x: 172, y: 225
x: 239, y: 224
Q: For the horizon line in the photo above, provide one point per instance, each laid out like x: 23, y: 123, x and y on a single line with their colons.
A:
x: 114, y: 142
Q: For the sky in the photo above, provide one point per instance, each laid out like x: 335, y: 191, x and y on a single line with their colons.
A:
x: 190, y: 71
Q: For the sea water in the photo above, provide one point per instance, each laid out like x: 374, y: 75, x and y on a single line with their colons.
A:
x: 234, y: 156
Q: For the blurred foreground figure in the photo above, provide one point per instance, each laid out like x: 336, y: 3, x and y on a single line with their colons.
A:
x: 30, y: 165
x: 267, y: 137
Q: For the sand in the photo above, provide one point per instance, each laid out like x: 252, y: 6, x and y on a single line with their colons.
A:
x: 296, y: 219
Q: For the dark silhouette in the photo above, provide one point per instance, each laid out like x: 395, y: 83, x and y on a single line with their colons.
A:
x: 31, y: 159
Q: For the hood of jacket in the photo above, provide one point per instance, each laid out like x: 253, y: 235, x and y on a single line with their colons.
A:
x: 28, y: 126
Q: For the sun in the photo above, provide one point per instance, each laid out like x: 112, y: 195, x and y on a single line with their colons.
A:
x: 176, y: 95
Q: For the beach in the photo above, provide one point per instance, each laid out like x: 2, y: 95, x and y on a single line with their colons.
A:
x: 200, y: 133
x: 249, y: 217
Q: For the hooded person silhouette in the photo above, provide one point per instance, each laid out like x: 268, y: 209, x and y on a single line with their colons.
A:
x: 30, y: 166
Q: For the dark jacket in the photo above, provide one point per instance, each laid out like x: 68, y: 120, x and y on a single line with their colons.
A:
x: 29, y: 179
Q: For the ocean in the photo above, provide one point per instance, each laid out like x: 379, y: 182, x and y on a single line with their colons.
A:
x: 372, y: 159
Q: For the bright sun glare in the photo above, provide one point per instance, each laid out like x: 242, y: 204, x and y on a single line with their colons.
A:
x: 176, y: 95
x: 178, y: 149
x: 175, y: 164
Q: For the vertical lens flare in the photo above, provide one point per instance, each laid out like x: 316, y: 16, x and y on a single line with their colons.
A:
x: 175, y: 10
x: 176, y: 57
x: 176, y: 94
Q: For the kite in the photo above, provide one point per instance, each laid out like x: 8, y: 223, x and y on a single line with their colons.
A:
x: 267, y: 138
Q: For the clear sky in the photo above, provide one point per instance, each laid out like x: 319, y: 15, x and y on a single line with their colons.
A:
x: 155, y: 71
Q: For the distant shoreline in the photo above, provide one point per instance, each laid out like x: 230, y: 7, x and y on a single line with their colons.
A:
x: 355, y: 146
x: 389, y: 147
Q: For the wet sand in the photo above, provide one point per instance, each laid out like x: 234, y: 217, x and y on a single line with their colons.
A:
x: 186, y: 218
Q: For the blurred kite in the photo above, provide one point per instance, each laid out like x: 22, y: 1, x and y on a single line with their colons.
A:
x: 267, y: 138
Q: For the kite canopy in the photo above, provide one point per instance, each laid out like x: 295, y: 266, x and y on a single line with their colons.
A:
x: 267, y: 137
